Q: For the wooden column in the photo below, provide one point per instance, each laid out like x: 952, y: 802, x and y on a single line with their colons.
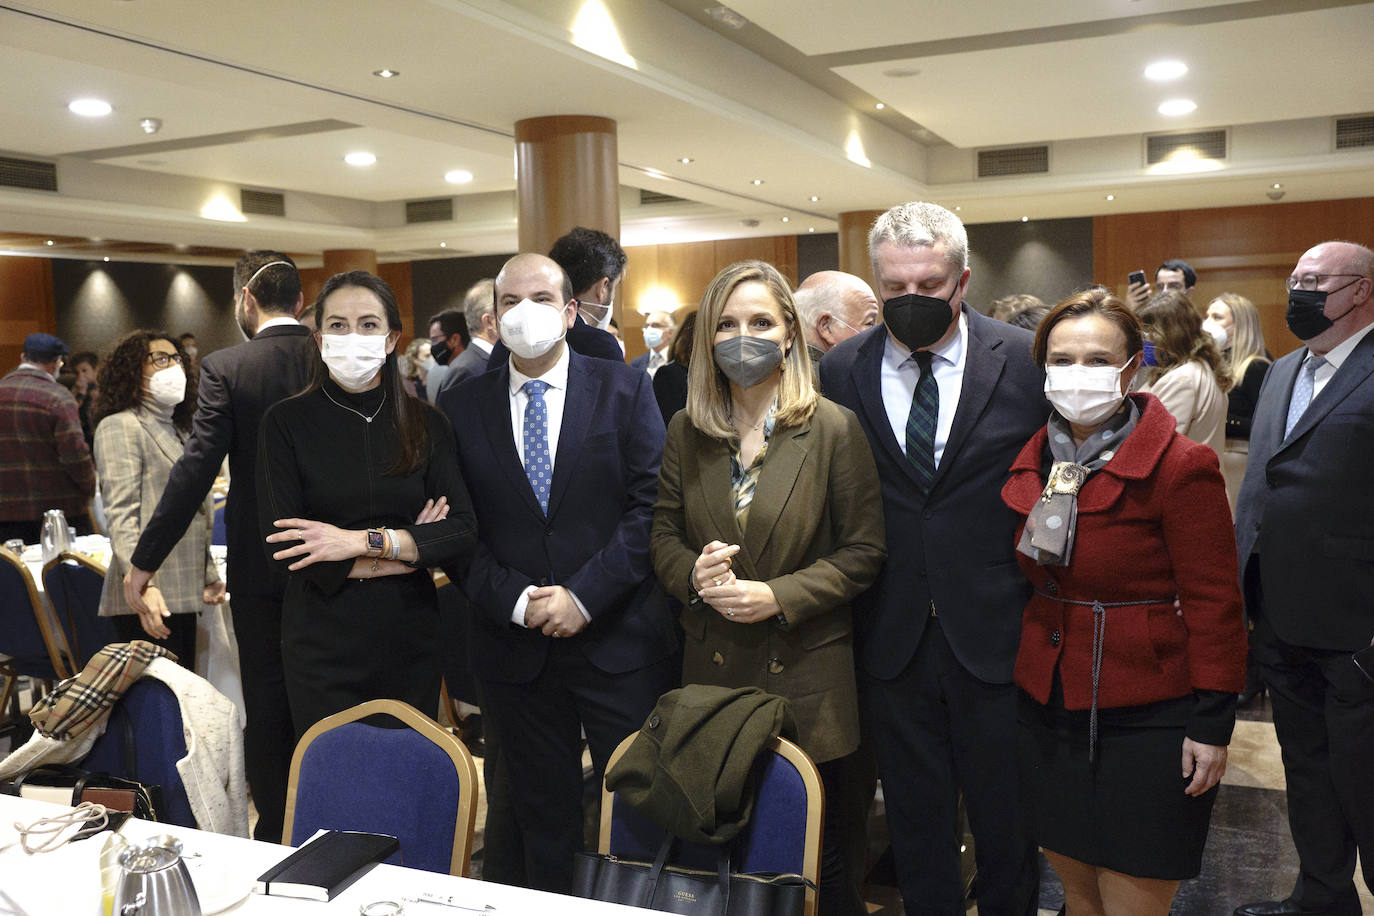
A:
x: 566, y: 175
x: 853, y: 242
x: 344, y: 259
x: 26, y: 305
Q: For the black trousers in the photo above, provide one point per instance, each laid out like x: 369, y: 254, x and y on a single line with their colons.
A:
x: 269, y: 738
x: 181, y: 642
x: 1324, y: 719
x: 937, y: 731
x: 540, y: 725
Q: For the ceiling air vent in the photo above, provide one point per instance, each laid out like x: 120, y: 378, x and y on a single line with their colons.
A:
x: 1355, y: 133
x: 437, y: 210
x: 1198, y: 144
x: 649, y: 198
x: 32, y: 174
x: 1019, y: 160
x: 262, y: 203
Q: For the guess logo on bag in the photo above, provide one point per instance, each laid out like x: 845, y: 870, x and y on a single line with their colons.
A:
x: 685, y: 896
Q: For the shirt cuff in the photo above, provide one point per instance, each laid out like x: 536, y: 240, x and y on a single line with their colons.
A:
x: 517, y: 614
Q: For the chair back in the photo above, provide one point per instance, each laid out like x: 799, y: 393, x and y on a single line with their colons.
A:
x: 36, y: 648
x: 783, y: 834
x: 73, y: 582
x: 143, y: 740
x: 217, y: 533
x: 417, y: 783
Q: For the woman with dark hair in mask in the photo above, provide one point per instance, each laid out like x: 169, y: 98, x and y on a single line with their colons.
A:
x: 142, y: 417
x: 359, y: 493
x: 1132, y: 647
x: 768, y: 523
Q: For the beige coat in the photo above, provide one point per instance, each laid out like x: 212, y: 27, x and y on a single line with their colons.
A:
x: 814, y: 535
x: 1191, y: 393
x: 134, y: 454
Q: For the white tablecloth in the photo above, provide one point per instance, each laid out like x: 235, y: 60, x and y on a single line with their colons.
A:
x: 66, y: 882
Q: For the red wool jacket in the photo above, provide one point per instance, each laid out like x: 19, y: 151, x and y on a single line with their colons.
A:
x: 1153, y: 523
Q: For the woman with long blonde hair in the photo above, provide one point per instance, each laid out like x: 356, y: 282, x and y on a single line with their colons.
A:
x: 768, y: 524
x: 1238, y: 322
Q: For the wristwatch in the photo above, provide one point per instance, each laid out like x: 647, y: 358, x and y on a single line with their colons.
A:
x: 376, y: 542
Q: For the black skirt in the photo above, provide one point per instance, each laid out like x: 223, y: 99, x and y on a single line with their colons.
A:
x: 1126, y: 812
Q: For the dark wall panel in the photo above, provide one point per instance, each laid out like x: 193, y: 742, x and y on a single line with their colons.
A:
x: 1047, y: 258
x: 437, y: 285
x: 817, y: 252
x: 99, y: 302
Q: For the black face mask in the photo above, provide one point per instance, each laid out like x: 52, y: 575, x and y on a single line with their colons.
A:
x: 917, y: 321
x: 1306, y: 315
x: 440, y: 352
x: 746, y: 361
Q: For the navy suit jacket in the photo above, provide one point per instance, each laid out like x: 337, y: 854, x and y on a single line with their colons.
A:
x: 1307, y: 506
x: 951, y: 549
x: 595, y: 539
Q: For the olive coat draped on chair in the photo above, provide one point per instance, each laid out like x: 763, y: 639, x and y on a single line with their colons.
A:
x: 814, y: 534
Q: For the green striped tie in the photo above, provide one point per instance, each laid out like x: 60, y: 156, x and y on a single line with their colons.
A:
x: 920, y: 422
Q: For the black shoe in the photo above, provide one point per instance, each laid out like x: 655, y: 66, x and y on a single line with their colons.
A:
x: 1248, y: 696
x: 472, y: 735
x: 1272, y: 908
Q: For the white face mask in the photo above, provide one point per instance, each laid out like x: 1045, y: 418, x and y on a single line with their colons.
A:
x: 353, y: 359
x: 530, y: 329
x: 1219, y: 334
x: 168, y: 386
x: 589, y: 312
x: 1084, y: 395
x: 653, y: 338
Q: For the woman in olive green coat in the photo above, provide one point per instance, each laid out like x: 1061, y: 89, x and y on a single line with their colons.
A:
x: 768, y: 524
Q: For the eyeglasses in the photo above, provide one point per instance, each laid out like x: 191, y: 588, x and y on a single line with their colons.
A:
x: 163, y: 360
x: 1312, y: 281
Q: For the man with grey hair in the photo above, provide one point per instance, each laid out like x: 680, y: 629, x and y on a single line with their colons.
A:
x: 1303, y: 533
x: 834, y: 306
x: 478, y: 310
x: 947, y: 397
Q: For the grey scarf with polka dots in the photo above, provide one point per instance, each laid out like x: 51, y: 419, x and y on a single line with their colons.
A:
x: 1049, y: 533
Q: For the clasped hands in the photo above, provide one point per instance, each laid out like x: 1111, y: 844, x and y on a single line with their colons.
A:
x: 737, y: 600
x: 552, y: 611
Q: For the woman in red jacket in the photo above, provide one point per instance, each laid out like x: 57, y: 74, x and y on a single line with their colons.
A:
x: 1132, y: 648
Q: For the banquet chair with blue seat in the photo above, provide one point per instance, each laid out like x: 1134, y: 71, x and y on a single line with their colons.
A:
x: 73, y: 582
x: 34, y: 646
x: 218, y: 533
x: 143, y: 740
x: 783, y: 835
x: 417, y: 783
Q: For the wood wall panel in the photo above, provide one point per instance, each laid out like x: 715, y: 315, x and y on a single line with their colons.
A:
x: 1245, y: 250
x: 684, y: 271
x: 397, y: 276
x: 26, y: 305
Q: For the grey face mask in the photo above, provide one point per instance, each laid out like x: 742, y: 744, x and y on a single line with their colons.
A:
x: 746, y: 361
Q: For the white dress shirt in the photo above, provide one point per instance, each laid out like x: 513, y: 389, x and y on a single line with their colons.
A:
x: 657, y: 360
x: 482, y: 345
x: 899, y: 377
x: 555, y: 396
x: 275, y: 322
x: 1335, y: 357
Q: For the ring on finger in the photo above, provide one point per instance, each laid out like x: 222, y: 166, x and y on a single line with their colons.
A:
x: 716, y: 580
x: 729, y: 612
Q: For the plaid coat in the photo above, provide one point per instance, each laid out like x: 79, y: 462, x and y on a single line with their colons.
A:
x: 44, y: 461
x: 134, y: 454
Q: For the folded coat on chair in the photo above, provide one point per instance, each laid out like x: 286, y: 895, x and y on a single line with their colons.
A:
x: 690, y: 768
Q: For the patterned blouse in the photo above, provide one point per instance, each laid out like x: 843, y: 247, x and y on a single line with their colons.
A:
x: 742, y: 479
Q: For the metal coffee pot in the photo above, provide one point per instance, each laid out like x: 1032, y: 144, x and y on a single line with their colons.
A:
x: 154, y: 881
x: 57, y: 534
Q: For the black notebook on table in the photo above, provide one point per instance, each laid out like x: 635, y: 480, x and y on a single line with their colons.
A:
x: 328, y: 862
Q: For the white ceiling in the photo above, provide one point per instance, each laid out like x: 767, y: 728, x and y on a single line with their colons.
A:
x: 271, y: 95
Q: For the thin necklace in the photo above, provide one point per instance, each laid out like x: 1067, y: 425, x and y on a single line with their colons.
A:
x: 731, y: 414
x: 358, y: 412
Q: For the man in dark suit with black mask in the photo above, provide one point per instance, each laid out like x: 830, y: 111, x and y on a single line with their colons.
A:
x: 947, y: 397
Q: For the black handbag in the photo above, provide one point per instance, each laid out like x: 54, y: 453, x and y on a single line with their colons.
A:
x: 65, y: 784
x: 672, y: 889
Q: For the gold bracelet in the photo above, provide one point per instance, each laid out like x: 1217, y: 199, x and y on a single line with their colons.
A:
x: 375, y: 561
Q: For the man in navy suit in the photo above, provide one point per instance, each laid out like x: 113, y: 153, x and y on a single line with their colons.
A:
x: 572, y: 631
x: 1306, y: 542
x: 947, y: 397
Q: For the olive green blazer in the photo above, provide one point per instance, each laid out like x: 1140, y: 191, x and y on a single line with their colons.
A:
x: 814, y: 535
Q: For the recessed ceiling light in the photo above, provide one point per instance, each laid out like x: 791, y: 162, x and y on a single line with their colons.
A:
x: 810, y: 228
x: 458, y: 176
x: 757, y: 181
x: 107, y: 259
x: 1161, y: 71
x: 880, y: 106
x: 443, y: 244
x: 686, y: 160
x: 1174, y: 108
x: 787, y: 219
x: 48, y: 242
x: 1111, y: 197
x: 814, y: 198
x: 386, y: 73
x: 360, y: 158
x: 1025, y: 219
x: 90, y: 108
x: 150, y: 125
x: 957, y: 209
x: 1276, y: 186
